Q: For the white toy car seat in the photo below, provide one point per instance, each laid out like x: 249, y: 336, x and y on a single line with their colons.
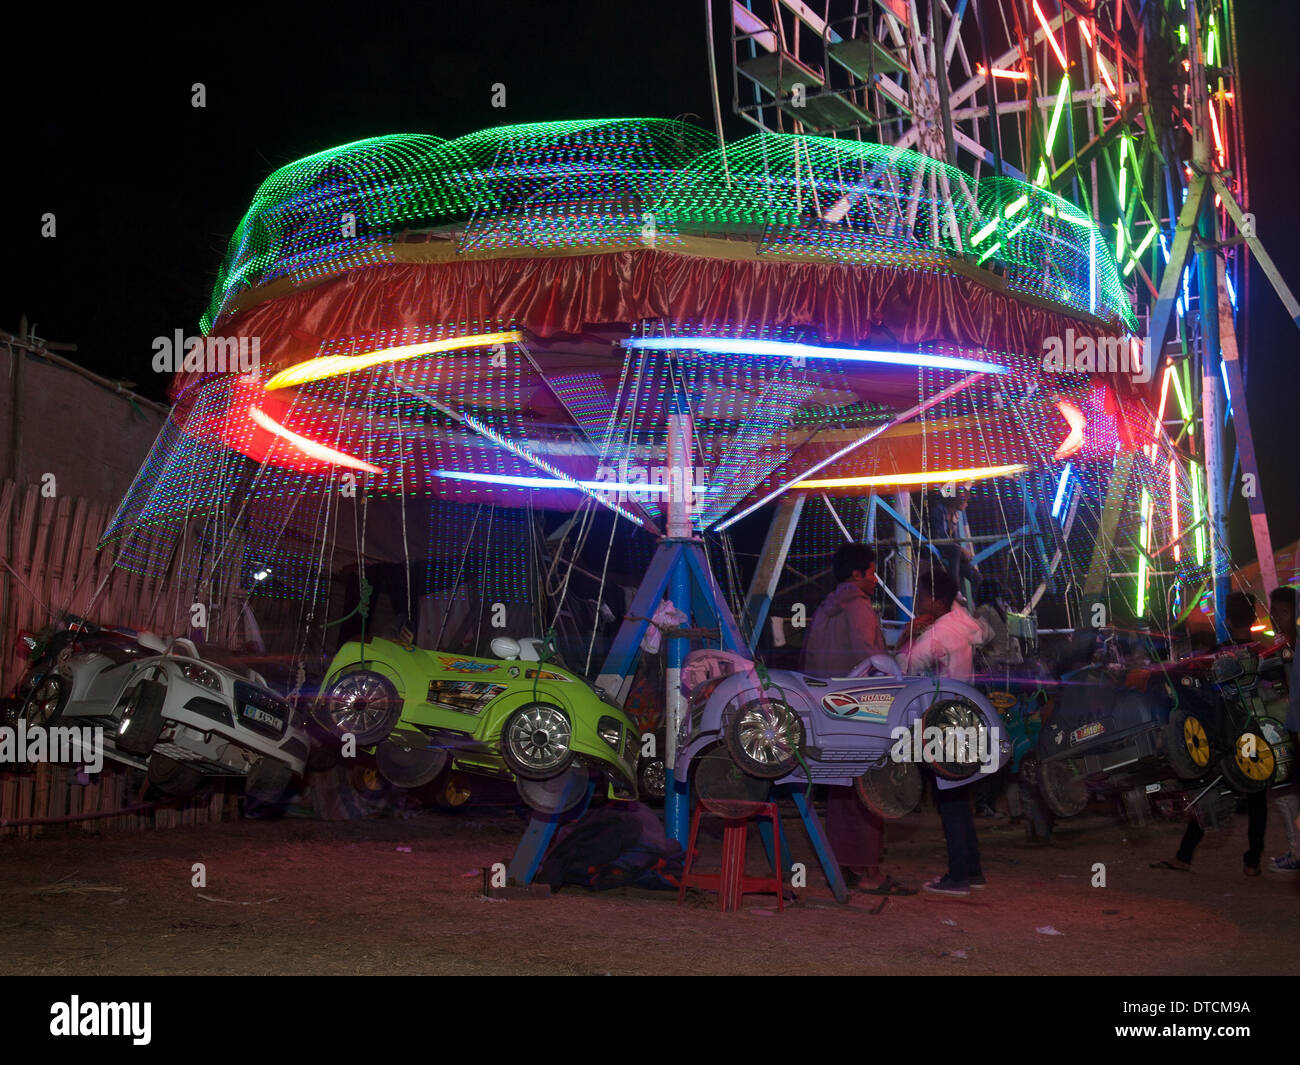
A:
x: 882, y: 665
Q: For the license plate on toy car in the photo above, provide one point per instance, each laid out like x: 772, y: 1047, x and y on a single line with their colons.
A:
x: 262, y: 717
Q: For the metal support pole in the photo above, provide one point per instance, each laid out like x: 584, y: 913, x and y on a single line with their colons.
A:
x: 767, y: 574
x: 1212, y: 399
x: 905, y: 573
x: 681, y: 439
x: 1254, y: 491
x: 1212, y: 410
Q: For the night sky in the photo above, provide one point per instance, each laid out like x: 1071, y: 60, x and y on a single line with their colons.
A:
x: 146, y: 188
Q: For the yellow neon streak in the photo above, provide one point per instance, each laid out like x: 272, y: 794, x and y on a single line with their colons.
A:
x: 309, y: 447
x: 974, y: 473
x: 335, y: 365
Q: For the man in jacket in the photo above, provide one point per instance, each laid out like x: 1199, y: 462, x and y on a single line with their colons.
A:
x: 843, y: 632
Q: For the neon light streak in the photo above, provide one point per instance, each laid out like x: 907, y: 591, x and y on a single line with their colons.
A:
x: 1164, y: 395
x: 989, y: 251
x: 1119, y: 242
x: 1065, y: 294
x: 1232, y: 290
x: 1218, y: 139
x: 789, y: 350
x: 310, y: 448
x: 556, y: 483
x: 974, y: 473
x: 1060, y: 491
x: 984, y: 232
x: 1092, y: 271
x: 1096, y: 52
x: 1198, y: 512
x: 1182, y: 399
x: 866, y: 438
x: 1137, y: 252
x: 1065, y: 216
x: 1141, y: 604
x: 1062, y: 95
x: 542, y: 464
x: 1210, y: 39
x: 1073, y: 442
x: 1015, y: 207
x: 1173, y: 509
x: 335, y: 365
x: 1227, y: 392
x: 998, y: 72
x: 1065, y: 65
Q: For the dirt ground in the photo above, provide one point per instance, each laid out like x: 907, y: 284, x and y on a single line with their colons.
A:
x: 403, y: 896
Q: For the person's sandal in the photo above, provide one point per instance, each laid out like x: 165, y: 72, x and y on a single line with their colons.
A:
x: 1172, y: 863
x: 1251, y: 870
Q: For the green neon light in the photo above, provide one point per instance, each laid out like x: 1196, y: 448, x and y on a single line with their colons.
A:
x: 1182, y: 399
x: 991, y: 249
x: 549, y: 184
x: 1198, y: 512
x: 1123, y: 173
x: 1141, y: 604
x: 979, y: 237
x: 1066, y: 216
x: 1137, y: 252
x: 1062, y: 95
x: 1018, y: 227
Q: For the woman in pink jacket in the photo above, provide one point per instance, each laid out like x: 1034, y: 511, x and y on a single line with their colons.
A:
x: 948, y: 648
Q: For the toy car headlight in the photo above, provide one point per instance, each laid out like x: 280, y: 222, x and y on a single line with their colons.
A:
x: 608, y: 730
x: 198, y: 674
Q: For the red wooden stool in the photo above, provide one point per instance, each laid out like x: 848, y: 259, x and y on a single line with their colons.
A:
x: 732, y: 883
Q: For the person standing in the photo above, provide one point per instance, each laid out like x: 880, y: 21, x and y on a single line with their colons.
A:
x: 1288, y: 803
x: 843, y: 632
x: 1239, y: 612
x: 948, y: 648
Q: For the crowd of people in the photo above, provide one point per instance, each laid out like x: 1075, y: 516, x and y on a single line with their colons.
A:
x: 945, y: 638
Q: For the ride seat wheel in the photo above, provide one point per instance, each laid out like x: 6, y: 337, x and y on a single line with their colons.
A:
x: 1187, y: 745
x: 141, y: 722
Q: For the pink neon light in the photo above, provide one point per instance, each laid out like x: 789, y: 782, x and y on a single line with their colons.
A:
x: 1214, y: 128
x: 1173, y: 508
x: 1073, y: 442
x: 1052, y: 39
x: 1164, y: 395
